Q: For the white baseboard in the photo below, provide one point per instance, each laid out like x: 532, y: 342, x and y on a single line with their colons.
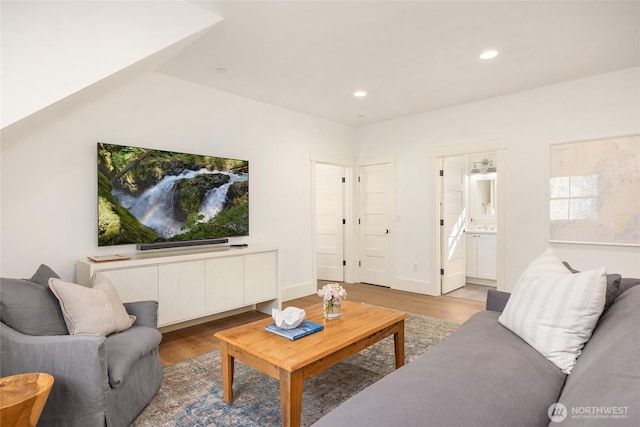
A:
x: 297, y: 291
x: 479, y: 281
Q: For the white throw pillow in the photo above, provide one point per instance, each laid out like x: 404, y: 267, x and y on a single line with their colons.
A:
x: 555, y: 311
x: 97, y: 310
x: 546, y: 264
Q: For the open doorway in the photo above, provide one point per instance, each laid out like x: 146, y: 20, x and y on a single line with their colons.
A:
x: 469, y: 209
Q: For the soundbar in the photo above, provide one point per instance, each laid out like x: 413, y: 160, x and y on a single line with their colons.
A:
x: 179, y: 244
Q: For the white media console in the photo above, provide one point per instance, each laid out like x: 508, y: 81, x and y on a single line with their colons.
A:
x: 192, y: 284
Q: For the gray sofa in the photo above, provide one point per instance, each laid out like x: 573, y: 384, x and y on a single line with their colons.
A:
x: 485, y: 375
x: 97, y: 380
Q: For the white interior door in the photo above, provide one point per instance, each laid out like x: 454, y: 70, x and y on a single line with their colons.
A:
x: 375, y: 195
x: 453, y: 216
x: 329, y: 222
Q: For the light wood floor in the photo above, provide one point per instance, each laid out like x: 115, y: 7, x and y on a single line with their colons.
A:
x: 196, y: 340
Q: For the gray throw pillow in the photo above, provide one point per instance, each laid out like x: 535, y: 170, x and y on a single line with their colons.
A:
x: 42, y: 275
x: 30, y: 308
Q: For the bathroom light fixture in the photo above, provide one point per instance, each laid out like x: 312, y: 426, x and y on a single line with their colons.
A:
x: 486, y: 166
x: 489, y: 54
x: 360, y: 93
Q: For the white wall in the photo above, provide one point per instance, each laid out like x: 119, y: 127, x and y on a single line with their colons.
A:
x: 48, y: 186
x: 48, y: 179
x: 525, y: 124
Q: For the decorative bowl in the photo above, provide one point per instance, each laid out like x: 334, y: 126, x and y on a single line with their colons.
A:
x: 289, y: 318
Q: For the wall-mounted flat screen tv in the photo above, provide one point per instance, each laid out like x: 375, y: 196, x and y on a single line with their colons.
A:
x: 150, y: 196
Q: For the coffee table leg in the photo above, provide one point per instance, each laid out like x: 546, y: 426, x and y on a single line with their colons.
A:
x: 291, y: 398
x: 398, y: 341
x: 227, y: 363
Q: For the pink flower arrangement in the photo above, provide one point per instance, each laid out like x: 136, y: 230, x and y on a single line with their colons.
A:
x: 332, y: 291
x: 332, y: 294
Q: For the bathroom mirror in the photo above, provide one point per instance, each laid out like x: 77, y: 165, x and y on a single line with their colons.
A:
x: 482, y: 195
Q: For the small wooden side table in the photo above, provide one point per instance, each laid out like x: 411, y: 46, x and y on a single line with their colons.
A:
x: 22, y: 398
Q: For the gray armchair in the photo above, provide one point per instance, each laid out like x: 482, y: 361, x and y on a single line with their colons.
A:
x: 97, y: 380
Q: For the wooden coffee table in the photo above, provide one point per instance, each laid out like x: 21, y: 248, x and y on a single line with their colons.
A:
x: 291, y: 362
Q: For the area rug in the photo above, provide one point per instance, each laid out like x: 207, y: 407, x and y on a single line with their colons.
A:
x: 191, y: 394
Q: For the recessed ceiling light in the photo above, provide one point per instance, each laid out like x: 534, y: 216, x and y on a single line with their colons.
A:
x: 221, y: 70
x: 489, y: 54
x: 360, y: 93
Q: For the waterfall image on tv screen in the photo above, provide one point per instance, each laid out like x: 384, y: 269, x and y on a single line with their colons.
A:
x: 149, y: 196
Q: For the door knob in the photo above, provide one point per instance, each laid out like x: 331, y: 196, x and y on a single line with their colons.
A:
x: 386, y: 231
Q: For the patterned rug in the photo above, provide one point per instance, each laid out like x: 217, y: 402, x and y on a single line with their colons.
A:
x: 191, y: 394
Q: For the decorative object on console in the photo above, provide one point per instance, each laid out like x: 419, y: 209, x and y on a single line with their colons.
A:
x: 166, y: 199
x: 332, y: 295
x: 108, y: 258
x: 288, y: 318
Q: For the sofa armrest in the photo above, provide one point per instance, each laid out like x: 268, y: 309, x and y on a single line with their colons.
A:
x: 78, y: 365
x: 146, y: 312
x: 497, y: 300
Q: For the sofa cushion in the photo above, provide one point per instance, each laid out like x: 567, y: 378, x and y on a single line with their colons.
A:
x: 604, y: 386
x: 462, y: 381
x: 126, y: 348
x: 30, y: 307
x: 97, y: 310
x: 556, y: 314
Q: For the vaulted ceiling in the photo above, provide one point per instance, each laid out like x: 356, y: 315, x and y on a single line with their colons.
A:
x: 309, y: 56
x: 410, y: 57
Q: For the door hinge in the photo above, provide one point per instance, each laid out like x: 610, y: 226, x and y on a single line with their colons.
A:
x: 358, y: 221
x: 358, y: 179
x: 344, y: 262
x: 359, y: 263
x: 441, y: 172
x: 344, y: 221
x: 442, y: 222
x: 442, y: 271
x: 344, y: 179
